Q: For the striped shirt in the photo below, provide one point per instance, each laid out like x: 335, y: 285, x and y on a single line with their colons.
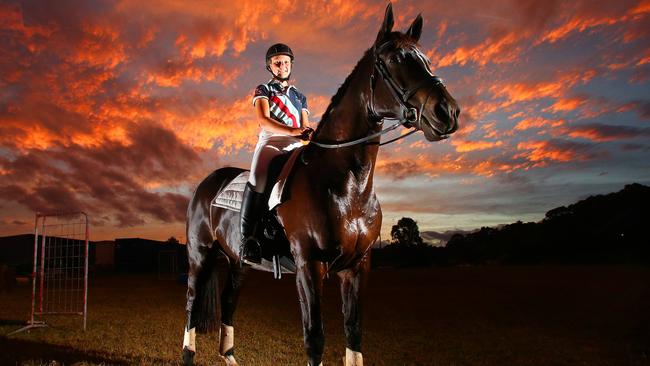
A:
x: 285, y: 104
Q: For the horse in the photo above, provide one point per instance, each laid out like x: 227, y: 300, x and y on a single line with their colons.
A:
x: 333, y: 216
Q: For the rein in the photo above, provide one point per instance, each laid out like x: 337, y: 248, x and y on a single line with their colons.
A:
x: 369, y: 137
x: 412, y: 116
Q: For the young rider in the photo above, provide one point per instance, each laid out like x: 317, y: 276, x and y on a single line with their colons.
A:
x: 283, y: 117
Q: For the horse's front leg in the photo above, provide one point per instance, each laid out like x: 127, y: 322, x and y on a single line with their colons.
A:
x: 309, y: 280
x: 352, y: 284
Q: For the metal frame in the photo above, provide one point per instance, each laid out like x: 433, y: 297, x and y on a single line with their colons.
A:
x: 51, y: 272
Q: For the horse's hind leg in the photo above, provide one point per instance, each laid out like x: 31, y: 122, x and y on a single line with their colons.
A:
x: 202, y: 286
x: 229, y: 298
x: 352, y: 283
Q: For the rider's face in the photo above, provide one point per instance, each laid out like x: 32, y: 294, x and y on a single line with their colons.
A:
x: 281, y: 66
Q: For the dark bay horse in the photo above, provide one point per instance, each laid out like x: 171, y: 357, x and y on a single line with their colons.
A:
x: 333, y: 216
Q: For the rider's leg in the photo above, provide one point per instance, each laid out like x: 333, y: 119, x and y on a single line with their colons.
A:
x: 250, y: 215
x: 252, y: 204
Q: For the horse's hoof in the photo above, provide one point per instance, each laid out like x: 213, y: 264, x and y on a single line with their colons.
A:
x: 188, y: 357
x: 230, y: 360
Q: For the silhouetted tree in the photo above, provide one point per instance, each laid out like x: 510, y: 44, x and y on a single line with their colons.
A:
x: 172, y: 240
x: 406, y: 233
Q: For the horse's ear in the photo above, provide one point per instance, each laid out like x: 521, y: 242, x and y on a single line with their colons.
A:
x: 387, y: 25
x: 415, y: 30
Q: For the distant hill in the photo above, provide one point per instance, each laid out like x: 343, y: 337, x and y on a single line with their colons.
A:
x: 436, y: 238
x: 604, y: 229
x: 599, y: 229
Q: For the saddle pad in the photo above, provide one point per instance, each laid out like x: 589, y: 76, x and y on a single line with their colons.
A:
x: 231, y: 195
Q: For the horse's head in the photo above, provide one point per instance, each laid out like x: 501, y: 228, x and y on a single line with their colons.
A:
x: 409, y: 89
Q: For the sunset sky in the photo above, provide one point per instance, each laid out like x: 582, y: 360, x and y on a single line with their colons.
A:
x: 120, y: 108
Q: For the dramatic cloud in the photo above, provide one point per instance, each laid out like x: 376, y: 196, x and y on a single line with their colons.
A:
x: 603, y: 133
x: 120, y: 107
x: 543, y: 152
x: 121, y: 183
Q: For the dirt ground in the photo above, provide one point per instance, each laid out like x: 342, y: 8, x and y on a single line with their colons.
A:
x: 437, y: 316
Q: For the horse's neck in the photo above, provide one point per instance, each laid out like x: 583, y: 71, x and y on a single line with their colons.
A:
x: 347, y: 118
x: 348, y: 121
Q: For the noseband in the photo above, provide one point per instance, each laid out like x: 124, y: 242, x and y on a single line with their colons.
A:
x: 411, y: 117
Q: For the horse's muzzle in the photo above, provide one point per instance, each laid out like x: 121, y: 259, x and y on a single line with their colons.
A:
x: 447, y: 116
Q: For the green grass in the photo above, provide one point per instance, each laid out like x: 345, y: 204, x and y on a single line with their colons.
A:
x: 440, y: 316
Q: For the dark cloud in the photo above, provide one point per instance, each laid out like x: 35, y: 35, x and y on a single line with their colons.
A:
x: 642, y: 107
x: 606, y: 132
x: 641, y: 74
x: 635, y: 147
x: 401, y: 169
x: 112, y: 181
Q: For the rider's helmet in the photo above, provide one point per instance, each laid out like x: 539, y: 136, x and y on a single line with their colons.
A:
x: 278, y: 49
x: 275, y: 50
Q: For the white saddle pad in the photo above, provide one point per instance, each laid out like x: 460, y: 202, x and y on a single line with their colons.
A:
x: 231, y: 196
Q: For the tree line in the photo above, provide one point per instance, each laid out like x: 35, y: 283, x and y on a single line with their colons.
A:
x: 601, y: 229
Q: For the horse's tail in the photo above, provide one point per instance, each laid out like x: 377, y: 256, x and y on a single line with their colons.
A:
x: 206, y: 301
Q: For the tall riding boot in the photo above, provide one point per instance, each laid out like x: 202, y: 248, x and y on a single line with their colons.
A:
x: 250, y: 249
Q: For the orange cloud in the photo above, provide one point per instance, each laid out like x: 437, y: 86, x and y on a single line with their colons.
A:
x: 645, y: 58
x: 11, y: 19
x: 490, y: 167
x: 566, y: 104
x: 421, y: 164
x: 543, y: 152
x: 522, y: 91
x: 173, y: 74
x: 403, y: 167
x: 499, y: 50
x: 490, y: 130
x: 581, y: 23
x: 467, y: 146
x: 317, y: 105
x: 538, y: 122
x: 100, y: 46
x: 591, y: 134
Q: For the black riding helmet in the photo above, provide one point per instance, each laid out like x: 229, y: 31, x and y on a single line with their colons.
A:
x: 275, y: 50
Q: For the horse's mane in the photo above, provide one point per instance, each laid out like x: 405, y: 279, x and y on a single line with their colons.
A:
x: 336, y: 99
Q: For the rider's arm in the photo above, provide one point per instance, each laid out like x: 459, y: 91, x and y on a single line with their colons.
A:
x: 268, y: 123
x: 304, y: 112
x: 305, y: 119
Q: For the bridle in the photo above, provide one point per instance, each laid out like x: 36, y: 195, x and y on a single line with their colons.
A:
x: 411, y: 118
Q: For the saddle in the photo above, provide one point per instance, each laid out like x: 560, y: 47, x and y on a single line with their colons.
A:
x: 276, y: 256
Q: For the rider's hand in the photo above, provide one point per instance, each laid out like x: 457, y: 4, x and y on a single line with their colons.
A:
x: 305, y: 133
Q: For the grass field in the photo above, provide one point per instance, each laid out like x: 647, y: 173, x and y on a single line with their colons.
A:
x: 438, y: 316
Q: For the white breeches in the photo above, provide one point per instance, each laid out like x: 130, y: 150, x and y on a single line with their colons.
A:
x: 265, y: 151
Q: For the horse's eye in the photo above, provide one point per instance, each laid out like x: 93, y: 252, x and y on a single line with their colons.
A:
x: 395, y: 59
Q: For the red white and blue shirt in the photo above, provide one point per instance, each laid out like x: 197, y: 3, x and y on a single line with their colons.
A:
x: 285, y: 104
